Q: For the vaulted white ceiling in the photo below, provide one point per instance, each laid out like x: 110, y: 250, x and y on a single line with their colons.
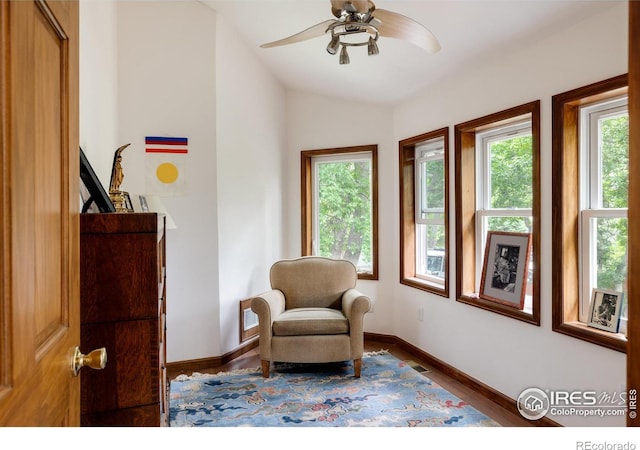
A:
x: 467, y: 30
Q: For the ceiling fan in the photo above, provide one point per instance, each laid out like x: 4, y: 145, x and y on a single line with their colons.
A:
x: 359, y: 23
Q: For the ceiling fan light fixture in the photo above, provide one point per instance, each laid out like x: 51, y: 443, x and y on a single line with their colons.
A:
x: 344, y: 56
x: 359, y: 23
x: 332, y: 48
x: 372, y: 47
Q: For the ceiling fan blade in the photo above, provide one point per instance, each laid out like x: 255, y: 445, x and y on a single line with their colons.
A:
x: 309, y: 33
x: 397, y: 26
x: 362, y: 6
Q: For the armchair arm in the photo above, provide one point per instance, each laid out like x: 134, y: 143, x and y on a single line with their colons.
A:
x: 267, y: 306
x: 355, y: 304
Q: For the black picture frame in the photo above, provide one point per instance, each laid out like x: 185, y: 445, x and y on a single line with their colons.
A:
x: 96, y: 197
x: 504, y: 272
x: 604, y: 309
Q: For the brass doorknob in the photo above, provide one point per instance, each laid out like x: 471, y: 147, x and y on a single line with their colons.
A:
x: 96, y: 359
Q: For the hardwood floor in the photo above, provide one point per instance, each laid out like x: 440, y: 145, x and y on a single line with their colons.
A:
x: 504, y: 417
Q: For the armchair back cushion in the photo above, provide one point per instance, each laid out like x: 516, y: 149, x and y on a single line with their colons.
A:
x: 313, y: 281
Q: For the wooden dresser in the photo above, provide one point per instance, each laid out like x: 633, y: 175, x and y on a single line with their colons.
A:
x: 122, y: 294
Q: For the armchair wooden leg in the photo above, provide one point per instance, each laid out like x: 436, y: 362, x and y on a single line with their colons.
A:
x: 357, y: 367
x: 265, y: 368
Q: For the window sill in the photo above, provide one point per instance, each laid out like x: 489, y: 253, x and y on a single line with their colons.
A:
x: 367, y: 276
x: 474, y: 300
x: 579, y: 330
x: 425, y: 285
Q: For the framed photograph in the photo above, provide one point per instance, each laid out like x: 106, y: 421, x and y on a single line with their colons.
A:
x: 143, y: 203
x: 248, y: 321
x: 92, y: 195
x: 604, y: 310
x: 127, y: 202
x: 505, y: 269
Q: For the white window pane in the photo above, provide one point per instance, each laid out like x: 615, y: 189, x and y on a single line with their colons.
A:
x: 430, y: 256
x: 344, y: 211
x: 430, y: 188
x: 511, y: 173
x: 604, y: 254
x: 432, y: 185
x: 611, y: 253
x: 515, y: 224
x: 604, y: 196
x: 505, y: 189
x: 614, y: 160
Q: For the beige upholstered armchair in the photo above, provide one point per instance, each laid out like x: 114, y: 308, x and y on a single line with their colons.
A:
x: 313, y: 314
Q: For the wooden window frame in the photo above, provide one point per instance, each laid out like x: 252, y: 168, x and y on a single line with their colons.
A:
x: 306, y: 198
x: 465, y: 192
x: 566, y: 210
x: 407, y: 212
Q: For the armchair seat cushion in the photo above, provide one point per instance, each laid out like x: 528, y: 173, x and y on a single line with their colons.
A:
x: 310, y: 321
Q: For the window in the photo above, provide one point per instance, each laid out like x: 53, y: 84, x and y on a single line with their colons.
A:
x: 424, y: 192
x: 497, y: 189
x: 504, y: 172
x: 590, y: 194
x: 339, y: 206
x: 604, y: 184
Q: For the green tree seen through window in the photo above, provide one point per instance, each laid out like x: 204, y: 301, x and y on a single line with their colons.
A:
x: 344, y: 211
x: 612, y: 232
x: 511, y: 182
x: 434, y: 198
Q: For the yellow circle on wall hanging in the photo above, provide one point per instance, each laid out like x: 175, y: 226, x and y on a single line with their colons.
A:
x: 167, y: 172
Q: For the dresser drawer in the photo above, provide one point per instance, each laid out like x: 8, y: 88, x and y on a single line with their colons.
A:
x: 122, y: 308
x: 130, y: 377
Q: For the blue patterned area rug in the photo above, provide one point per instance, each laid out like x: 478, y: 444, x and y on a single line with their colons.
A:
x: 390, y: 393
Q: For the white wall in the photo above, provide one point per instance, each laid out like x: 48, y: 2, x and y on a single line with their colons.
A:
x: 166, y: 73
x: 316, y: 122
x: 98, y: 85
x: 251, y: 147
x: 504, y: 353
x: 182, y: 72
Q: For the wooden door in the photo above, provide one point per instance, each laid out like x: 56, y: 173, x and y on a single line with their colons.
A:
x: 39, y: 218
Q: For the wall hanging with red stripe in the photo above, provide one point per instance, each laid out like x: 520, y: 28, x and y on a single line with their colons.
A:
x: 166, y: 164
